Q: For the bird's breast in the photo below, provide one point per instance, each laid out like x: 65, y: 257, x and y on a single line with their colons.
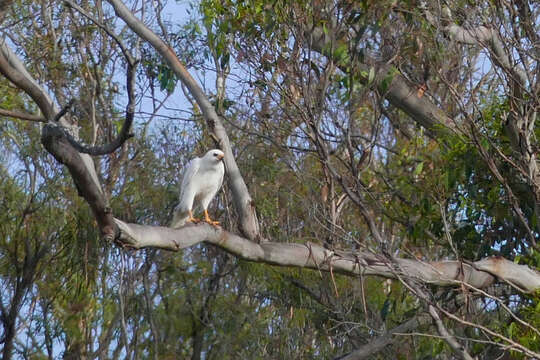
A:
x: 209, y: 180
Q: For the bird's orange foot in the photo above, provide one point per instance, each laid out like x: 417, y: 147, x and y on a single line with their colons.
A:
x: 193, y: 219
x: 210, y: 221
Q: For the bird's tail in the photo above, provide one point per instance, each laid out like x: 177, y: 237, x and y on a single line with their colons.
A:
x: 179, y: 219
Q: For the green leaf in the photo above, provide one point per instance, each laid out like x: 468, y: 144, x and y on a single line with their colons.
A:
x: 437, y: 348
x: 387, y: 80
x: 511, y: 329
x: 371, y: 76
x: 340, y: 53
x: 224, y: 61
x: 418, y: 168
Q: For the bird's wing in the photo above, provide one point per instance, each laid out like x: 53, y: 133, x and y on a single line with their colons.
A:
x: 190, y: 170
x: 221, y: 174
x: 186, y: 191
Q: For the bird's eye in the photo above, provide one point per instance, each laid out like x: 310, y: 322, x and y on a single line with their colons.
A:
x: 215, y: 154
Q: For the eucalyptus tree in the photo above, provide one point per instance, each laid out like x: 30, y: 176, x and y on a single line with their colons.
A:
x: 390, y: 140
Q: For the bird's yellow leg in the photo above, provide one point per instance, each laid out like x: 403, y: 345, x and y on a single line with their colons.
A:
x: 208, y: 220
x: 192, y: 219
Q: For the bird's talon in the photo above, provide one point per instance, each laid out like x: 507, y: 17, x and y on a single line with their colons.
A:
x: 212, y: 222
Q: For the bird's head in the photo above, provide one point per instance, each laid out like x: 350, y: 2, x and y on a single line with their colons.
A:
x: 215, y: 155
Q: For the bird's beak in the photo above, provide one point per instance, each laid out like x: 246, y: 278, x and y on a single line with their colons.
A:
x: 220, y: 157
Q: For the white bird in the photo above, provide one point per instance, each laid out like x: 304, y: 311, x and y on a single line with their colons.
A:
x: 201, y: 180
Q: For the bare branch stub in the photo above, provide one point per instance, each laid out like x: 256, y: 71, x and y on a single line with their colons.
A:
x: 64, y: 110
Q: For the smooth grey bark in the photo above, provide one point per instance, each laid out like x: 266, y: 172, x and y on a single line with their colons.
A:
x: 446, y: 273
x: 60, y: 137
x: 13, y: 69
x: 21, y: 115
x: 479, y: 274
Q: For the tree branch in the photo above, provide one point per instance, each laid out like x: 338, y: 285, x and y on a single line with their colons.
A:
x: 119, y: 42
x: 511, y: 344
x: 397, y: 92
x: 248, y: 222
x: 12, y: 68
x: 124, y: 133
x: 482, y: 36
x: 55, y: 140
x: 379, y: 343
x: 449, y: 338
x: 479, y: 274
x: 22, y: 116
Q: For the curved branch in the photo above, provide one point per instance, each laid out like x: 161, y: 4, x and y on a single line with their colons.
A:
x: 479, y: 274
x: 124, y: 133
x: 12, y: 68
x: 54, y: 139
x: 22, y: 116
x: 249, y: 225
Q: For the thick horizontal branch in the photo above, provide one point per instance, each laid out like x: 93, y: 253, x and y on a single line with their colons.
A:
x: 479, y: 274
